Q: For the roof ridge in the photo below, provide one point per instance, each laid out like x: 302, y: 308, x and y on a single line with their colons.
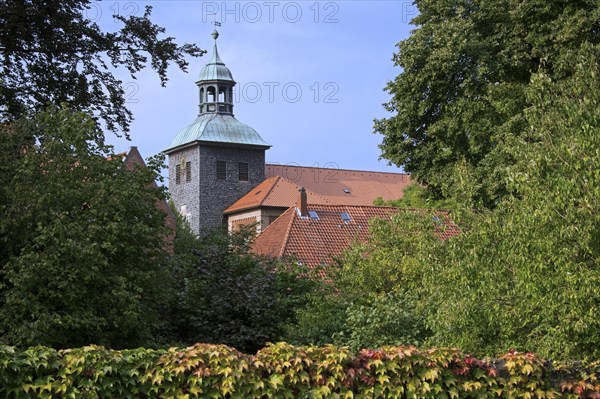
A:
x: 363, y: 206
x: 339, y: 169
x: 292, y: 210
x: 274, y: 179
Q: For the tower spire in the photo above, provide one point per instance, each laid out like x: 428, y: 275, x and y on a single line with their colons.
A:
x: 220, y: 157
x: 215, y: 84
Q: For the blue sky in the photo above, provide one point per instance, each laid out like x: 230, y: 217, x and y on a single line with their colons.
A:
x: 311, y: 74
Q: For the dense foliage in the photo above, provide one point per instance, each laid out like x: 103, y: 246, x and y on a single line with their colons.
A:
x: 498, y: 107
x: 523, y: 276
x: 461, y: 95
x: 374, y: 287
x: 81, y: 238
x: 225, y: 294
x: 418, y: 197
x: 52, y: 53
x: 84, y: 259
x: 284, y: 371
x: 526, y: 275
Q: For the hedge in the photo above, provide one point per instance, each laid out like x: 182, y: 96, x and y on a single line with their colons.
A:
x: 285, y: 371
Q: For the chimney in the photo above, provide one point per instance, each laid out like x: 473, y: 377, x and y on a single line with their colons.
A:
x: 302, y: 204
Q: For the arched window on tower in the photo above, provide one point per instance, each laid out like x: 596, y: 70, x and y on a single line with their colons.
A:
x: 201, y: 100
x: 222, y: 104
x: 211, y: 98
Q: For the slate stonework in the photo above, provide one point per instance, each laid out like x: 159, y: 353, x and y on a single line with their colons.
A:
x: 205, y: 196
x: 186, y: 193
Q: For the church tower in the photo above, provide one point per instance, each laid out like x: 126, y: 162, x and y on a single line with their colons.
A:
x: 216, y: 159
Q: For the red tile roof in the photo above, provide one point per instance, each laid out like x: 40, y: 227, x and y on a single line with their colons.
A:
x: 318, y: 242
x: 276, y: 192
x: 323, y: 186
x: 343, y: 186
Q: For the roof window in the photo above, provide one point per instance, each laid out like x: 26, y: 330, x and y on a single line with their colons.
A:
x: 345, y: 217
x: 313, y: 215
x: 347, y: 190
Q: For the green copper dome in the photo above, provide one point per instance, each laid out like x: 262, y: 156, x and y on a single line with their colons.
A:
x: 218, y: 128
x: 216, y: 123
x: 215, y: 69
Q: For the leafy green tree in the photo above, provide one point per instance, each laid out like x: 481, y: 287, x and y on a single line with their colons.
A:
x: 52, y: 53
x: 523, y: 276
x: 374, y: 291
x: 526, y: 276
x: 417, y: 197
x: 461, y: 94
x: 320, y: 320
x: 81, y: 238
x: 227, y: 295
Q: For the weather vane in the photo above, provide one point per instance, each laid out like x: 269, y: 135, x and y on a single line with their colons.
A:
x: 215, y: 33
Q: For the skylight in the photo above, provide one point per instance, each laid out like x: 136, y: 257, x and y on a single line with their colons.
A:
x: 313, y: 215
x: 345, y: 217
x: 347, y: 190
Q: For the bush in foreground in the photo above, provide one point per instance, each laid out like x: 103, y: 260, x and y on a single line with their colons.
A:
x: 285, y: 371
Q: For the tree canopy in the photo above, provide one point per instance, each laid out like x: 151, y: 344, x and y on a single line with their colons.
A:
x: 371, y: 299
x: 225, y: 294
x: 52, y: 54
x: 522, y: 276
x: 81, y: 238
x: 84, y: 257
x: 526, y: 275
x: 461, y: 94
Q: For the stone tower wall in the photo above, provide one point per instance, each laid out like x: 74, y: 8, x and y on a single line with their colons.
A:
x: 217, y: 195
x: 205, y: 197
x: 186, y: 193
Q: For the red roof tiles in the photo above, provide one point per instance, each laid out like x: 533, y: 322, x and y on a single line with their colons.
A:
x: 323, y: 186
x: 319, y: 241
x: 276, y: 192
x: 343, y: 186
